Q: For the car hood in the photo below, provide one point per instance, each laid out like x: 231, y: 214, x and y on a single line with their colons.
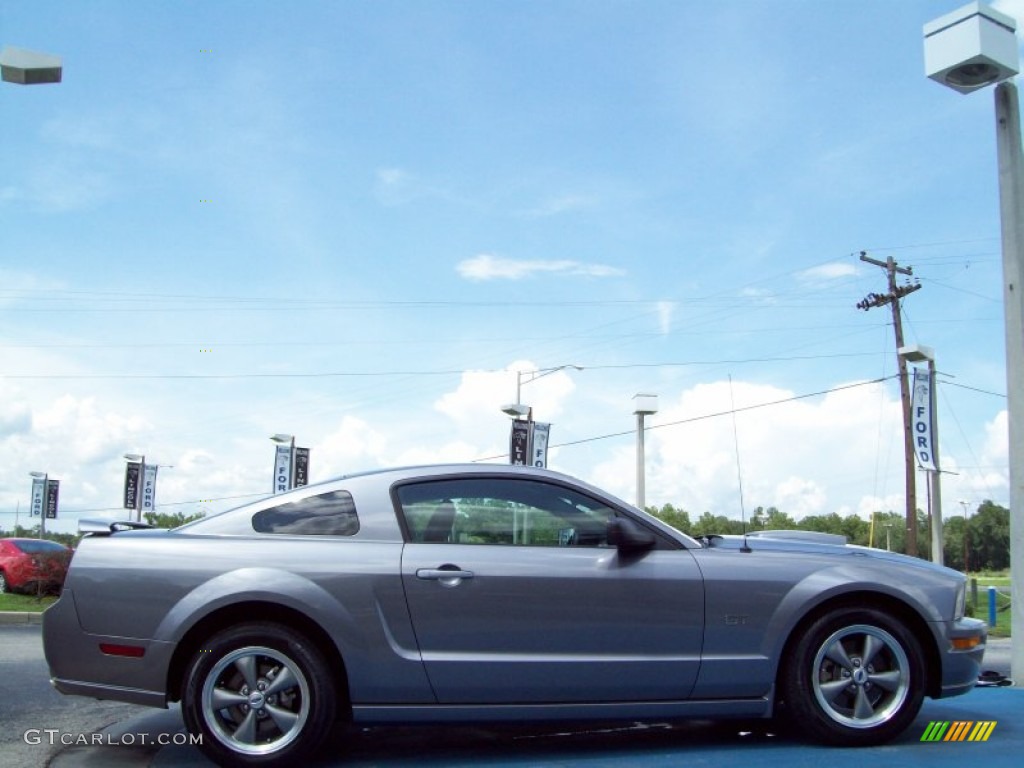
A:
x: 813, y: 543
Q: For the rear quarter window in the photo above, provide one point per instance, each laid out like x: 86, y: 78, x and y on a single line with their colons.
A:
x: 328, y: 514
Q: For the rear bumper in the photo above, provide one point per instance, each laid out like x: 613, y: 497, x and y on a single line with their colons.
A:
x: 78, y: 666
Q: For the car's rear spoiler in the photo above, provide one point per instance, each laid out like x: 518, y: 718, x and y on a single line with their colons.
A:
x: 107, y: 527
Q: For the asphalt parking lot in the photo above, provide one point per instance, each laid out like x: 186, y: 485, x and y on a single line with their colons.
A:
x: 648, y: 745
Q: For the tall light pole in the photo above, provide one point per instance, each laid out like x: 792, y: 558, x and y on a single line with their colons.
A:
x: 520, y: 451
x: 643, y: 405
x: 923, y: 423
x: 540, y: 373
x: 971, y: 48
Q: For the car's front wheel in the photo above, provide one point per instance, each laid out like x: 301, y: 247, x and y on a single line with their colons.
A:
x: 856, y: 678
x: 259, y: 695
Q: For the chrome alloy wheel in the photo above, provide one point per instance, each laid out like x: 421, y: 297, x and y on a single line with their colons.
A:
x: 861, y: 676
x: 256, y: 700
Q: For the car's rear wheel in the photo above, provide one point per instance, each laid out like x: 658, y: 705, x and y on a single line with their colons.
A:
x: 856, y: 677
x: 260, y: 695
x: 3, y: 583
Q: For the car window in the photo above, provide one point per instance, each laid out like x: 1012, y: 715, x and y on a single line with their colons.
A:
x: 502, y: 511
x: 329, y: 514
x: 31, y: 547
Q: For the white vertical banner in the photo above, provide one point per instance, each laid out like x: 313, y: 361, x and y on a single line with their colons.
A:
x: 38, y: 494
x: 541, y: 432
x: 921, y: 419
x: 149, y: 488
x: 282, y: 468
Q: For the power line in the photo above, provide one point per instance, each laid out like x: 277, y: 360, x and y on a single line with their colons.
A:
x: 706, y: 416
x: 443, y: 372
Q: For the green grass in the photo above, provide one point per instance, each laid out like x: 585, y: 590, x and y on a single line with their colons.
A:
x: 14, y: 602
x: 987, y: 579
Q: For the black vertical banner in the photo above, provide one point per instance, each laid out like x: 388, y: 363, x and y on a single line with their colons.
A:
x: 519, y: 443
x: 301, y: 467
x: 52, y: 492
x: 131, y: 484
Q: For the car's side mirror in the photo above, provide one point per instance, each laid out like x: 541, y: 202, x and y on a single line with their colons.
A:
x: 627, y: 536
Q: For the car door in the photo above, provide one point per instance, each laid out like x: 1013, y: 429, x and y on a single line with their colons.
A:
x: 516, y: 597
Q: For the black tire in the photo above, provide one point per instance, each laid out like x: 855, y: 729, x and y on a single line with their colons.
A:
x: 3, y: 584
x: 280, y: 723
x: 855, y: 678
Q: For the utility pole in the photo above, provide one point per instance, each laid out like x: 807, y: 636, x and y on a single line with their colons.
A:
x: 892, y: 298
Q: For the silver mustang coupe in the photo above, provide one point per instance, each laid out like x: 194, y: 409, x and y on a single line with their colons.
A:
x: 463, y: 593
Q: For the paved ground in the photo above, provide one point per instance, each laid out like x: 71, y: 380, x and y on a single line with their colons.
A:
x: 640, y: 745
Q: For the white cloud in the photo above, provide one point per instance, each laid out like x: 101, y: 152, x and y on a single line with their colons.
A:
x: 489, y: 267
x: 84, y: 431
x: 825, y: 272
x: 352, y: 445
x: 394, y: 186
x: 15, y: 412
x: 665, y: 311
x: 997, y: 439
x: 558, y: 205
x: 792, y: 455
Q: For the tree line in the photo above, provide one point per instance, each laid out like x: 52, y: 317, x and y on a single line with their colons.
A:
x: 983, y: 542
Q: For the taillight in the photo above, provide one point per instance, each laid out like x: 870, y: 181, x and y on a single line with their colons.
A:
x: 114, y: 649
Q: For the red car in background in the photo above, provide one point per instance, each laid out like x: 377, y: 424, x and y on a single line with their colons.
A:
x: 28, y: 565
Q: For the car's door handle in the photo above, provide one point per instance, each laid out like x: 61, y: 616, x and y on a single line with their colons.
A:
x: 450, y: 577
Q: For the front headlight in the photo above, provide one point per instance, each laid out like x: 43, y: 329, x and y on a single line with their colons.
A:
x: 960, y: 607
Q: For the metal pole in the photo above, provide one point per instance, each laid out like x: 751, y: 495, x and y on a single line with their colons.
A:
x: 1011, y: 208
x: 138, y: 489
x: 936, y: 476
x: 640, y: 480
x: 909, y: 471
x: 46, y: 503
x: 291, y: 465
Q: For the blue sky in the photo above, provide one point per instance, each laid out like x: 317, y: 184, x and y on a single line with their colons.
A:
x: 355, y: 221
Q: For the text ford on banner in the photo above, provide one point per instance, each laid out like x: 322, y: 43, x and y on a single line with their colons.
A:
x: 38, y: 494
x: 922, y: 419
x: 149, y: 488
x: 282, y: 468
x: 539, y: 443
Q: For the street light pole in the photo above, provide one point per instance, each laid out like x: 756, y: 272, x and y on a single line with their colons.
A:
x: 1011, y: 204
x: 968, y: 49
x: 517, y: 410
x: 643, y: 405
